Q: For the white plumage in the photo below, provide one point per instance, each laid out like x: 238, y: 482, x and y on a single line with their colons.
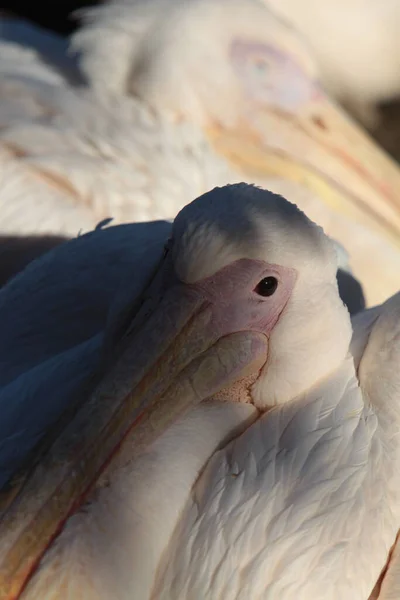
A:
x: 291, y: 498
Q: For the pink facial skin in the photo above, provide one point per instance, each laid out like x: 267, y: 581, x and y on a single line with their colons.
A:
x: 228, y: 299
x: 235, y: 302
x: 271, y: 76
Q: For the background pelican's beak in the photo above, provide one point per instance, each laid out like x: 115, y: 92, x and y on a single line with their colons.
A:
x: 172, y: 358
x: 320, y: 159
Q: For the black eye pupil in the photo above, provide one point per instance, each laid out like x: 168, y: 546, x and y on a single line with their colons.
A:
x: 267, y: 286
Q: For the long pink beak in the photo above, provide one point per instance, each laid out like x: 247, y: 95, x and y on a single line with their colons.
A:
x: 172, y: 359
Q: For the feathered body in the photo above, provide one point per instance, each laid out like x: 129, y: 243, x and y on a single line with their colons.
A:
x: 298, y: 500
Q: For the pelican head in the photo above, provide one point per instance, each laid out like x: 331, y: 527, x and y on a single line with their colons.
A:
x: 243, y: 306
x: 250, y: 53
x: 245, y: 236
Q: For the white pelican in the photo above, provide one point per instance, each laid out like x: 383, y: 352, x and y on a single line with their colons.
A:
x: 283, y: 484
x: 356, y: 47
x: 219, y: 92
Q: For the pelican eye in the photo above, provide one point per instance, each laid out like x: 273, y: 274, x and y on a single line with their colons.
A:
x: 267, y: 286
x: 261, y: 65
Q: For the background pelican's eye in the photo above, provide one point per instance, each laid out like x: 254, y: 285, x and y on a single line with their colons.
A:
x: 260, y: 65
x: 267, y: 286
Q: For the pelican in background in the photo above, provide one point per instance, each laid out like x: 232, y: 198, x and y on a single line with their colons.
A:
x: 356, y: 46
x: 231, y: 446
x: 218, y: 92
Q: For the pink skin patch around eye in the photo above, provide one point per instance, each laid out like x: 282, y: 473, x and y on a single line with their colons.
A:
x: 236, y: 304
x: 283, y: 83
x: 224, y: 303
x: 238, y: 307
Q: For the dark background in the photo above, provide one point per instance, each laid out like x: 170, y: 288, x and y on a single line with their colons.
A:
x: 51, y: 15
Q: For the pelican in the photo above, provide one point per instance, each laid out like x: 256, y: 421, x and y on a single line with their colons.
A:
x: 231, y: 447
x: 166, y: 116
x: 356, y: 47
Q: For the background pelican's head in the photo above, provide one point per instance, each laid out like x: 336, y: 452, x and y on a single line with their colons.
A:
x: 243, y: 75
x: 158, y: 51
